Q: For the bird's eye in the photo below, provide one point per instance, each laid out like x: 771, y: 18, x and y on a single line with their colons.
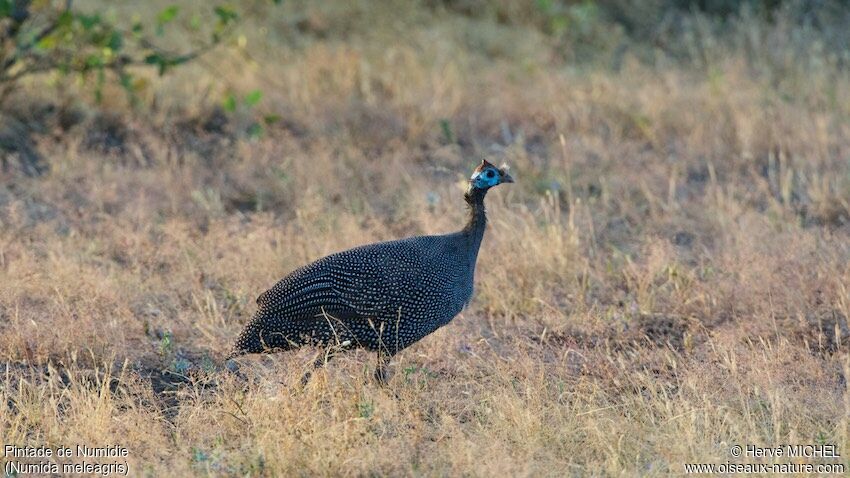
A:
x: 489, y: 173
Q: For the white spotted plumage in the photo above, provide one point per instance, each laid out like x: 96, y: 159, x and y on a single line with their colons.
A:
x: 383, y: 296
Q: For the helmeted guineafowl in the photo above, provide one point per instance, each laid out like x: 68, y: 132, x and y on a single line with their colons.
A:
x: 382, y: 297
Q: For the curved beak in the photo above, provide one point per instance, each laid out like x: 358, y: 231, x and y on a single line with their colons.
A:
x: 506, y: 178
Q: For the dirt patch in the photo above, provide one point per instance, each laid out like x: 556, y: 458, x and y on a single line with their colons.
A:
x: 822, y: 334
x: 645, y: 330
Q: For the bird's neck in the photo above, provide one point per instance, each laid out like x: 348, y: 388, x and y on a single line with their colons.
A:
x: 474, y: 229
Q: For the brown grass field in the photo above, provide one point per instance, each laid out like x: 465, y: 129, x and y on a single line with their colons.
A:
x: 668, y: 277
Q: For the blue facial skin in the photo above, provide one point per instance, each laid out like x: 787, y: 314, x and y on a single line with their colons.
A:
x: 486, y: 178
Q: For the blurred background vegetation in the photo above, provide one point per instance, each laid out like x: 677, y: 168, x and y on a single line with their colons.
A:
x: 95, y: 65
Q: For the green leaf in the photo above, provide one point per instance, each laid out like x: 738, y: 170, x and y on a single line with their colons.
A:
x: 559, y: 25
x: 116, y: 41
x: 165, y: 344
x: 47, y: 43
x: 168, y: 14
x: 126, y: 81
x: 271, y: 119
x: 367, y: 409
x: 162, y: 62
x: 225, y: 14
x: 446, y: 127
x: 254, y: 97
x: 66, y: 19
x: 165, y: 16
x: 98, y: 88
x: 545, y: 6
x: 153, y: 59
x: 5, y: 8
x: 229, y: 103
x: 255, y: 130
x: 88, y: 21
x: 94, y: 60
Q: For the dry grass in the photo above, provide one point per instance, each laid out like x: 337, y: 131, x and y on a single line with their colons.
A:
x: 669, y: 275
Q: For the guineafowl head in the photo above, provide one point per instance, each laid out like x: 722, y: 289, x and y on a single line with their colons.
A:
x: 486, y: 176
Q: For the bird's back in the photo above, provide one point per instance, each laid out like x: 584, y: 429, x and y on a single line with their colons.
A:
x: 388, y: 294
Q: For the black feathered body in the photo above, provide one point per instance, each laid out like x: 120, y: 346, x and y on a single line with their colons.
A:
x: 383, y: 296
